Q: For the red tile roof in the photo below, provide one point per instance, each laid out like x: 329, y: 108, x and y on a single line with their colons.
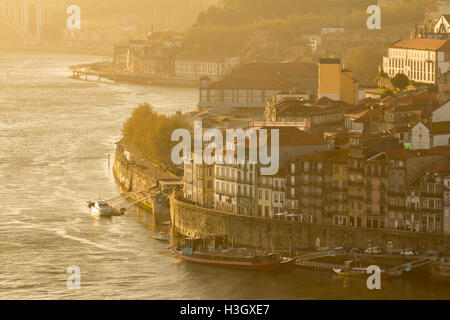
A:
x: 290, y: 136
x: 251, y: 82
x: 423, y: 44
x: 294, y: 69
x: 336, y: 156
x: 266, y: 76
x: 440, y: 127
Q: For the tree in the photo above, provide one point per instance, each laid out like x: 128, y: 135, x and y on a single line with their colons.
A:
x: 150, y: 133
x: 364, y: 61
x: 400, y: 81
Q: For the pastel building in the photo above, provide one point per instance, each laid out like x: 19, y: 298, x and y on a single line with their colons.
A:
x: 337, y: 83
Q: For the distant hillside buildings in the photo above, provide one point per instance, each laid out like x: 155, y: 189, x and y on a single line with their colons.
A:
x: 249, y: 86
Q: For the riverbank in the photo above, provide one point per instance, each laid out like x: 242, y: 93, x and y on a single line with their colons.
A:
x: 56, y: 49
x: 107, y: 70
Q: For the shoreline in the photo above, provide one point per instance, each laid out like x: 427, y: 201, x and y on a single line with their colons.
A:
x: 53, y: 50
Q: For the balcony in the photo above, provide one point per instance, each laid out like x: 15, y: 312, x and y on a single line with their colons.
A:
x: 413, y: 209
x: 355, y: 169
x: 431, y: 194
x: 355, y: 197
x: 356, y: 183
x: 396, y: 207
x: 396, y: 193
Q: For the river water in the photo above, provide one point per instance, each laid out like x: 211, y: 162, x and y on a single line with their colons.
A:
x: 55, y: 135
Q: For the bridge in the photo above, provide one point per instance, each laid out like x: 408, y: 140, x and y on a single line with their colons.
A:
x: 28, y: 18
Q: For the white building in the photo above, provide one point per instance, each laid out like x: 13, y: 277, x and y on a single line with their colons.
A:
x: 442, y: 113
x: 440, y: 133
x: 446, y: 190
x: 420, y: 136
x: 443, y: 25
x: 235, y: 188
x: 421, y: 60
x: 428, y: 136
x: 194, y: 69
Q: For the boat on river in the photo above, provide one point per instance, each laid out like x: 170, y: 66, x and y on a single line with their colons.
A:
x: 162, y: 237
x: 440, y: 271
x: 214, y: 251
x: 103, y: 209
x: 361, y: 272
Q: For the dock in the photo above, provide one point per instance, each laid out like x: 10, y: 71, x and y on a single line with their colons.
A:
x: 309, y: 261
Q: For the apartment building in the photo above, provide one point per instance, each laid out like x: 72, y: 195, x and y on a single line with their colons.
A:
x: 324, y: 114
x: 198, y: 184
x: 432, y: 199
x: 236, y: 188
x: 337, y: 83
x: 194, y: 68
x: 316, y: 187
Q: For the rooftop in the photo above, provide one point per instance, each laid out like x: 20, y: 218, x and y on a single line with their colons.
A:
x: 423, y: 44
x: 440, y: 127
x: 337, y: 156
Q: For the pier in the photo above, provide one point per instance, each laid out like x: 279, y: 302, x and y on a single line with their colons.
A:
x: 327, y: 260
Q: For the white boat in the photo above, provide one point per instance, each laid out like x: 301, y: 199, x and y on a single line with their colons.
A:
x: 102, y: 208
x: 162, y: 237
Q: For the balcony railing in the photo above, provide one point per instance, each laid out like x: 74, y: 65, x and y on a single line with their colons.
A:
x: 396, y: 193
x: 356, y: 183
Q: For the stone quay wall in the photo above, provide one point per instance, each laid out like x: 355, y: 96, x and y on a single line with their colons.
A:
x: 130, y: 175
x: 190, y: 220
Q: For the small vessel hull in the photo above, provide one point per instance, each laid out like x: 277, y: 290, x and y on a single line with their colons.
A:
x: 283, y: 265
x: 110, y: 212
x: 440, y: 272
x: 362, y: 274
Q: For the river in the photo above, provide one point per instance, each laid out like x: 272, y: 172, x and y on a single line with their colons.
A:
x: 55, y: 135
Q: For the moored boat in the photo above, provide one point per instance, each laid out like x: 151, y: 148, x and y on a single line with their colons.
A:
x: 361, y: 272
x: 440, y: 271
x: 218, y: 254
x: 162, y: 237
x: 103, y: 209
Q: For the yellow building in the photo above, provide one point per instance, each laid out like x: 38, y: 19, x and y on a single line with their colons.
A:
x: 337, y: 83
x: 198, y: 184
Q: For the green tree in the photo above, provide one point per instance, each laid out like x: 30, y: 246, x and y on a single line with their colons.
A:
x: 400, y: 81
x: 150, y: 133
x: 364, y: 61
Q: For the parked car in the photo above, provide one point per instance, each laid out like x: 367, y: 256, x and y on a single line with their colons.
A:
x: 338, y: 250
x: 407, y: 252
x: 374, y: 250
x: 356, y: 250
x: 433, y: 253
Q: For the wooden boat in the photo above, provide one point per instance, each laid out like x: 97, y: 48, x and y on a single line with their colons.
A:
x: 440, y: 271
x: 218, y: 255
x: 361, y: 272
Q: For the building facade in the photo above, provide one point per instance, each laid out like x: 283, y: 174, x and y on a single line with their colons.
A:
x: 421, y: 60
